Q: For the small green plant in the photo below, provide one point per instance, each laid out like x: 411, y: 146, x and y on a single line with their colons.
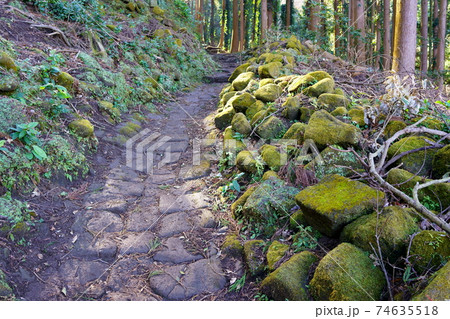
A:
x: 305, y: 239
x: 232, y: 189
x: 261, y: 297
x: 238, y: 136
x: 429, y: 203
x: 237, y: 285
x: 28, y: 135
x: 14, y: 210
x: 2, y: 143
x: 226, y: 161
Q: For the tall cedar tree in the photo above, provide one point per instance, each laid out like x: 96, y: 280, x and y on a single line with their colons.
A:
x: 440, y: 55
x: 387, y: 35
x: 263, y: 19
x: 235, y: 34
x: 424, y: 37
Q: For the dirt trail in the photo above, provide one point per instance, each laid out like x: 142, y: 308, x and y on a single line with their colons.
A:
x: 145, y: 236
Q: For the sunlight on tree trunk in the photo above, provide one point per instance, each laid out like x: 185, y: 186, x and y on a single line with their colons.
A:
x: 235, y: 34
x: 263, y: 19
x: 440, y: 57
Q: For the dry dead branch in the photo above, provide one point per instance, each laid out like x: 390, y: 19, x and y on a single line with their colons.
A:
x: 56, y: 30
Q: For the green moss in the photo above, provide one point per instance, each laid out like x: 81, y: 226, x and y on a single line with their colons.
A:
x: 7, y: 62
x: 441, y: 162
x: 331, y: 101
x: 339, y: 91
x: 275, y: 252
x: 5, y: 289
x: 339, y: 111
x: 270, y: 70
x: 241, y: 125
x: 130, y: 129
x: 337, y: 201
x: 226, y: 97
x: 232, y: 246
x: 245, y: 162
x: 66, y: 80
x: 158, y: 11
x: 254, y: 257
x: 289, y: 281
x: 271, y: 128
x: 393, y: 127
x: 265, y: 82
x: 236, y: 207
x: 296, y: 220
x: 271, y: 157
x: 241, y: 102
x: 296, y: 132
x: 254, y: 108
x: 307, y: 80
x: 231, y: 146
x: 439, y: 288
x: 419, y: 162
x: 347, y: 274
x: 292, y: 108
x: 429, y: 249
x: 9, y: 81
x: 242, y: 80
x: 12, y: 112
x: 240, y: 69
x: 268, y: 93
x: 357, y: 116
x: 321, y: 87
x: 305, y: 114
x: 405, y: 181
x: 223, y: 119
x: 82, y: 128
x: 393, y: 225
x: 324, y: 129
x: 108, y: 109
x: 269, y: 175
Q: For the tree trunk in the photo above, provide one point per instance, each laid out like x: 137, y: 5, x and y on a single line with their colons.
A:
x: 337, y: 30
x: 235, y: 34
x: 394, y: 18
x: 288, y: 13
x: 360, y: 25
x: 378, y: 35
x: 199, y: 18
x: 263, y: 19
x: 440, y: 58
x: 435, y: 31
x: 404, y: 57
x: 269, y: 13
x: 255, y: 11
x: 424, y: 38
x: 242, y: 28
x: 222, y: 29
x: 314, y: 16
x: 211, y: 23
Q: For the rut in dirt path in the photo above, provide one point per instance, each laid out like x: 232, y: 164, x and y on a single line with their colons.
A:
x: 148, y: 236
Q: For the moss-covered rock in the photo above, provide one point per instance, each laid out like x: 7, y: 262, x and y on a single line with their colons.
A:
x: 66, y: 80
x: 347, y: 274
x: 241, y: 125
x: 5, y: 289
x: 82, y: 128
x: 232, y: 246
x: 307, y: 80
x: 7, y: 62
x: 297, y: 219
x: 254, y: 108
x: 393, y: 226
x: 321, y: 87
x: 270, y: 200
x: 330, y: 101
x: 337, y: 201
x: 419, y: 162
x: 357, y: 116
x: 270, y: 70
x: 246, y: 162
x: 236, y: 207
x: 275, y: 252
x: 241, y: 102
x: 158, y: 11
x: 439, y: 288
x: 332, y: 162
x: 292, y: 108
x: 294, y: 43
x: 242, y: 80
x: 295, y: 132
x: 305, y: 114
x: 289, y: 281
x: 269, y: 174
x: 9, y: 81
x: 271, y: 128
x: 339, y: 111
x: 339, y: 91
x: 439, y: 194
x: 265, y: 82
x: 429, y: 249
x: 130, y: 129
x: 393, y: 127
x: 268, y: 93
x: 226, y: 97
x: 272, y: 157
x: 231, y: 146
x: 108, y: 109
x: 324, y: 129
x: 441, y: 162
x: 223, y: 119
x: 12, y: 112
x: 240, y: 69
x: 254, y: 257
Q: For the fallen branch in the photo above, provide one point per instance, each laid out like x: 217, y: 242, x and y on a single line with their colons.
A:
x: 11, y: 8
x: 56, y: 31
